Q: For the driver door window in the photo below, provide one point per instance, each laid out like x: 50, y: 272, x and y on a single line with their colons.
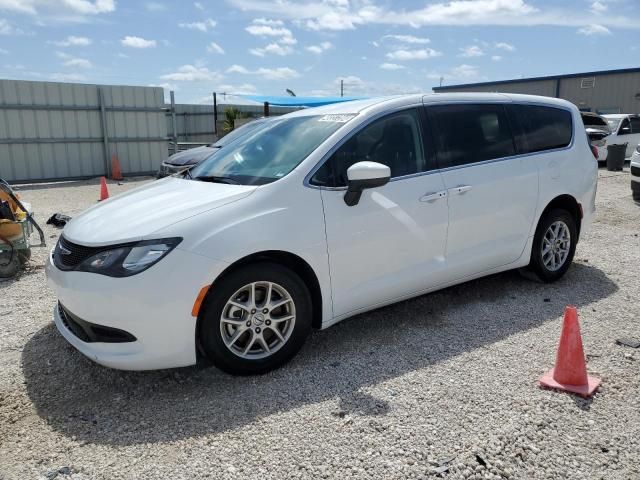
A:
x: 395, y: 141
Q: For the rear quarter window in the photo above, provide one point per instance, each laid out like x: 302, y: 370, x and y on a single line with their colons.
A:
x: 541, y: 128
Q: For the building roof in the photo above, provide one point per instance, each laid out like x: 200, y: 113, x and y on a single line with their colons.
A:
x: 538, y: 79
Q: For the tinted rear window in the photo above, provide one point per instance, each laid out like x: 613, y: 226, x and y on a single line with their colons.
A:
x: 468, y: 133
x: 542, y: 128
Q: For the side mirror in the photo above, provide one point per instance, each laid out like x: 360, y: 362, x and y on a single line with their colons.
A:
x: 363, y: 175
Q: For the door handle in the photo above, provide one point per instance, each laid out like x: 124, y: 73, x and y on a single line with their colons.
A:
x: 432, y: 197
x: 460, y: 189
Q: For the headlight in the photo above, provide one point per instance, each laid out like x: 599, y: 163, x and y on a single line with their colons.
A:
x: 638, y: 149
x: 127, y: 260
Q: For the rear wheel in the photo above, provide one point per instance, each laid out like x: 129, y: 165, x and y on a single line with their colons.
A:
x: 554, y: 245
x: 255, y: 319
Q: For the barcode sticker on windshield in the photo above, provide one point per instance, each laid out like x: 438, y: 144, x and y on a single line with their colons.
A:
x: 338, y: 118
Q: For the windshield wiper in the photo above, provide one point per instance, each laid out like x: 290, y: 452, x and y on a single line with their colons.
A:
x: 216, y: 179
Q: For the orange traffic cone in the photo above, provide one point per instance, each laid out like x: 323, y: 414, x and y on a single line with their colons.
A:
x: 570, y: 372
x: 116, y: 173
x: 104, y: 192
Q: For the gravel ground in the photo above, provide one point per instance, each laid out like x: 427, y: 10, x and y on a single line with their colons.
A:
x: 443, y: 381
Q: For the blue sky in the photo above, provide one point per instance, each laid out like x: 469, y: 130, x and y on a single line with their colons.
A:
x: 265, y: 46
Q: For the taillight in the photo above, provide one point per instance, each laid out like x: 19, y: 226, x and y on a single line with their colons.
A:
x: 594, y: 150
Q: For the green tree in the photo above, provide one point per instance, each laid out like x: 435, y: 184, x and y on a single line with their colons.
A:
x: 231, y: 114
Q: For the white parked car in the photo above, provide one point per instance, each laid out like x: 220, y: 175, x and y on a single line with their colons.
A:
x: 317, y: 216
x: 625, y: 128
x: 635, y: 174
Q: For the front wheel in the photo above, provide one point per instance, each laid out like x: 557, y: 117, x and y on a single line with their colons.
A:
x: 554, y: 245
x: 255, y: 319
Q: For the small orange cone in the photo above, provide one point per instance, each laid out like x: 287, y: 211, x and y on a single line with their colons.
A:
x: 570, y: 372
x: 116, y: 173
x: 104, y: 192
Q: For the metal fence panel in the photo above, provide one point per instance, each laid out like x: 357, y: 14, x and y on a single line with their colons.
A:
x: 51, y: 130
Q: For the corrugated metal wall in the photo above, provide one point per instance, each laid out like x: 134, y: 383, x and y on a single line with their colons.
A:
x: 54, y: 130
x: 194, y: 123
x: 609, y: 93
x: 546, y: 88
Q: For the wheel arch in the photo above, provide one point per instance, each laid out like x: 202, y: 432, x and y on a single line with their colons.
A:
x: 286, y: 259
x: 565, y: 202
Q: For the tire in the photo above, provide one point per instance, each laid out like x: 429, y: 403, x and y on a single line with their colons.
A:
x: 9, y: 264
x: 542, y: 265
x: 24, y: 256
x: 245, y: 321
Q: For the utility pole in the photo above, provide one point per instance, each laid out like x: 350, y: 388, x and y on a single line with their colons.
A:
x: 441, y: 80
x: 341, y: 88
x: 215, y: 114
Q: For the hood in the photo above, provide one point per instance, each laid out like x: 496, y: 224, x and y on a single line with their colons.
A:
x: 191, y: 156
x: 136, y: 214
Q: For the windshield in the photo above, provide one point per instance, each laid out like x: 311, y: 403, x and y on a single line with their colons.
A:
x: 270, y: 151
x: 238, y: 132
x: 613, y: 123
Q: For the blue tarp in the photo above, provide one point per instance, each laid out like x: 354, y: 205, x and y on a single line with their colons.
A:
x: 298, y: 101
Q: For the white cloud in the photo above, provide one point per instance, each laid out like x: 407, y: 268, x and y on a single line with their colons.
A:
x: 267, y: 21
x: 471, y: 51
x: 137, y: 42
x: 7, y: 29
x: 268, y: 31
x: 343, y: 15
x: 408, y: 39
x: 165, y: 85
x: 391, y: 66
x: 202, y: 26
x: 507, y: 47
x: 198, y: 5
x: 68, y: 77
x: 192, y: 73
x: 404, y: 55
x: 238, y: 69
x: 318, y: 49
x: 74, y: 41
x: 496, y: 58
x: 74, y: 62
x: 460, y: 73
x: 265, y: 28
x: 242, y: 89
x: 594, y: 29
x: 78, y: 63
x: 155, y: 6
x: 213, y: 47
x: 281, y: 73
x: 464, y: 71
x: 60, y: 7
x: 273, y: 49
x: 598, y: 7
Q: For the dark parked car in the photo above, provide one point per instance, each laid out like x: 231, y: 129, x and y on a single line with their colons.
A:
x: 180, y: 161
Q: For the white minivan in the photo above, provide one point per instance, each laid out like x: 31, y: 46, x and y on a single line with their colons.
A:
x: 317, y: 216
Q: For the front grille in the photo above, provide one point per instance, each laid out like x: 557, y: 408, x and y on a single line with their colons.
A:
x: 91, y: 332
x: 68, y: 255
x: 635, y: 171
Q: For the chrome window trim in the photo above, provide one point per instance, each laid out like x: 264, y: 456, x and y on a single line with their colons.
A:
x: 343, y: 140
